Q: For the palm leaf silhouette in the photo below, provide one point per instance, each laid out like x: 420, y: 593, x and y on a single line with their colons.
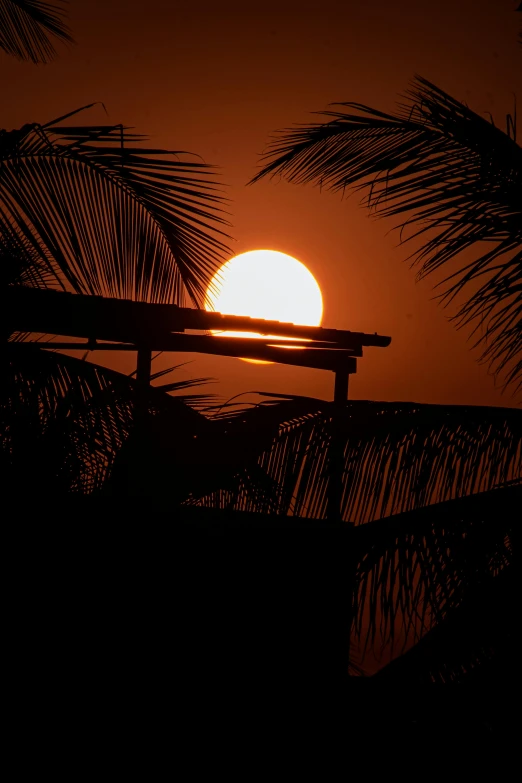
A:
x: 415, y: 569
x: 471, y: 638
x: 395, y: 457
x: 64, y: 421
x: 103, y: 214
x: 92, y: 210
x: 179, y: 462
x: 21, y: 263
x: 27, y: 28
x: 429, y: 490
x: 441, y: 167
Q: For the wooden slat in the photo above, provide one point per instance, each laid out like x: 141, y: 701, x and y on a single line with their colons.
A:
x: 56, y: 312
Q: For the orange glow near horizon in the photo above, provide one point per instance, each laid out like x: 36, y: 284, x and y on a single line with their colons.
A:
x: 265, y: 284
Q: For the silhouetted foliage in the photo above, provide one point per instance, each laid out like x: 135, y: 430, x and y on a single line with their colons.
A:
x: 93, y: 210
x: 137, y: 222
x: 475, y: 637
x: 428, y: 494
x: 395, y: 456
x: 27, y: 28
x: 455, y: 175
x: 433, y: 556
x: 63, y: 421
x: 428, y: 488
x: 415, y: 568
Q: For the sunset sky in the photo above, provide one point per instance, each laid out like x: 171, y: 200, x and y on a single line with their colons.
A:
x: 216, y: 78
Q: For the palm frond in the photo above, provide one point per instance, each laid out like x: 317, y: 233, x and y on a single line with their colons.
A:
x: 429, y: 489
x: 108, y: 215
x: 439, y: 166
x: 394, y: 456
x: 20, y: 262
x: 199, y: 401
x: 27, y: 28
x: 471, y: 639
x: 63, y: 421
x: 415, y: 568
x: 192, y: 463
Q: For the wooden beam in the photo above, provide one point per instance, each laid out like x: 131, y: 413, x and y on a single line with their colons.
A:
x: 239, y: 347
x: 56, y: 312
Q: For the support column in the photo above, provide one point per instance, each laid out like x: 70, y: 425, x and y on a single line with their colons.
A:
x: 344, y: 563
x: 336, y: 447
x: 143, y: 368
x: 143, y: 373
x: 341, y: 386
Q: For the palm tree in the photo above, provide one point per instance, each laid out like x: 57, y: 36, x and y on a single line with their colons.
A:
x: 423, y: 491
x: 430, y: 489
x: 454, y: 181
x: 92, y: 210
x: 27, y: 28
x: 135, y: 222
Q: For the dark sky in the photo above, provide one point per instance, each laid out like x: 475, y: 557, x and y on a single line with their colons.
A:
x: 217, y: 78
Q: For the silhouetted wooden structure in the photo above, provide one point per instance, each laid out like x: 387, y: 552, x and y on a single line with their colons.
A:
x: 123, y: 325
x: 145, y: 606
x: 304, y: 602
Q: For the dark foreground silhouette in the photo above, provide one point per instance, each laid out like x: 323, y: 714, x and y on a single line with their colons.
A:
x: 212, y: 628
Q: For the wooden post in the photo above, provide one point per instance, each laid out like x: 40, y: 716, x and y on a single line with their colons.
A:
x: 334, y: 513
x: 143, y: 367
x: 336, y: 447
x: 143, y: 373
x: 341, y: 387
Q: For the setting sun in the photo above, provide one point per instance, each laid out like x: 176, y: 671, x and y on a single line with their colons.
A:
x: 266, y: 284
